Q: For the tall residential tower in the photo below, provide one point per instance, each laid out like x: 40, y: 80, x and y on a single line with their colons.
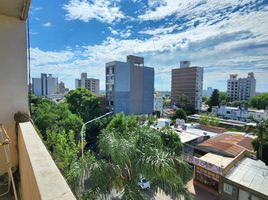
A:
x: 187, y: 81
x: 130, y: 86
x: 91, y: 84
x: 242, y: 88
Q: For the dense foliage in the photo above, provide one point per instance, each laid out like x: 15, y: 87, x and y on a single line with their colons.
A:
x: 260, y: 144
x: 208, y: 120
x: 128, y: 151
x: 259, y: 102
x: 48, y: 115
x: 126, y: 147
x: 214, y: 99
x: 179, y: 114
x: 83, y: 103
x: 185, y: 103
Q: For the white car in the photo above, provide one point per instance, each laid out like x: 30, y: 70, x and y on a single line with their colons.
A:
x: 143, y: 183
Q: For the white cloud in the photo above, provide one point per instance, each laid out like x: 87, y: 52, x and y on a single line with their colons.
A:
x: 159, y: 9
x: 39, y: 57
x: 47, y: 24
x: 101, y: 10
x: 223, y: 43
x: 161, y: 30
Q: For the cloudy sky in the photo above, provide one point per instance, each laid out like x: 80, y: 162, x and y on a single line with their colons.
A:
x: 227, y: 36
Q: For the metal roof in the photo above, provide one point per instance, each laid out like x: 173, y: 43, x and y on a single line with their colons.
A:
x: 227, y: 144
x: 217, y: 160
x: 250, y: 173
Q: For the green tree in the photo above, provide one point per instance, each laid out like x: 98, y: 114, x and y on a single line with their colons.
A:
x: 214, y: 99
x: 185, y: 103
x: 223, y: 98
x: 239, y: 103
x: 209, y: 120
x: 128, y: 151
x: 259, y: 102
x: 262, y: 133
x: 171, y: 140
x: 83, y: 103
x: 179, y: 114
x: 47, y: 115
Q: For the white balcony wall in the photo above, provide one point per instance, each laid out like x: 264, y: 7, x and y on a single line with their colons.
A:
x: 13, y: 79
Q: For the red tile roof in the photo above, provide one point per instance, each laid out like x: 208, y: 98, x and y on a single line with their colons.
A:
x: 228, y: 144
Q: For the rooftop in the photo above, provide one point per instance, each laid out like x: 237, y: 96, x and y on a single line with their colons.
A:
x: 217, y: 160
x: 250, y: 173
x: 227, y: 144
x: 186, y: 137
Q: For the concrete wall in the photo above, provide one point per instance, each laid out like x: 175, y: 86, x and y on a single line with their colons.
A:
x: 39, y: 176
x: 122, y: 87
x: 148, y: 90
x: 13, y: 79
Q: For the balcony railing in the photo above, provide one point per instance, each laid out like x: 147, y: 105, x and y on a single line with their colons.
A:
x: 39, y: 176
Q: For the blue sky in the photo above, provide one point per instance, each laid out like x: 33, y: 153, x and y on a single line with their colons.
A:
x: 225, y: 37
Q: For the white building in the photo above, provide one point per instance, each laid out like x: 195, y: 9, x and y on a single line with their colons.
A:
x: 158, y: 103
x: 36, y: 86
x: 242, y: 114
x: 45, y: 86
x: 162, y: 122
x: 91, y: 84
x: 52, y: 85
x: 242, y: 88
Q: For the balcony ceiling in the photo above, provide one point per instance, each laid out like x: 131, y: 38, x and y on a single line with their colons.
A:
x: 15, y: 8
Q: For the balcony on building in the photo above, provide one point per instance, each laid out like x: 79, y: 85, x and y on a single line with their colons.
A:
x: 35, y: 173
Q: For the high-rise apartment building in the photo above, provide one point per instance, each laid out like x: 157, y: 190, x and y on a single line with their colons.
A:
x: 45, y: 86
x: 187, y: 81
x: 130, y: 86
x: 91, y: 84
x: 242, y: 88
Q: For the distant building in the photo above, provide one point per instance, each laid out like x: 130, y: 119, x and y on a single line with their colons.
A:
x: 91, y: 84
x: 45, y: 86
x: 158, y: 103
x: 130, y: 86
x: 239, y: 113
x: 242, y: 88
x: 208, y: 92
x: 62, y: 89
x: 36, y: 86
x: 187, y: 81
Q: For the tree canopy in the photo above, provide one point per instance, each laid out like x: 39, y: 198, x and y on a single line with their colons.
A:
x: 214, y: 99
x: 128, y: 151
x: 259, y: 102
x: 48, y: 115
x: 83, y: 103
x: 179, y: 114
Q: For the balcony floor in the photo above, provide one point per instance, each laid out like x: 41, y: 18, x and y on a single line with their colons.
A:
x: 3, y: 188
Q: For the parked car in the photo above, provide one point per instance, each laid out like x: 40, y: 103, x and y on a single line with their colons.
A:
x: 143, y: 183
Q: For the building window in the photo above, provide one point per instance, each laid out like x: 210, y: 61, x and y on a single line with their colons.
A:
x: 227, y: 188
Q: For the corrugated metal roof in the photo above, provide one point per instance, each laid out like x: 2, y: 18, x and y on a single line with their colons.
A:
x: 250, y: 173
x: 231, y: 144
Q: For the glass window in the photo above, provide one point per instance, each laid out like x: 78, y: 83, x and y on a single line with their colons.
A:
x: 227, y: 188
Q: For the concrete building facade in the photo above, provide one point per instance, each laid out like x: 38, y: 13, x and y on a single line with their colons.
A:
x: 242, y: 88
x: 45, y: 86
x: 187, y: 81
x: 130, y: 86
x: 158, y: 103
x: 91, y: 84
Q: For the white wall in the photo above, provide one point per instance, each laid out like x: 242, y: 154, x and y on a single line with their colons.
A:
x: 13, y: 79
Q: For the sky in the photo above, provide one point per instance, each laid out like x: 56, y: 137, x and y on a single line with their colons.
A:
x: 68, y: 37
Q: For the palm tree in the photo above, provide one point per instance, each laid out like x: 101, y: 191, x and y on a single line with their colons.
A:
x: 126, y: 154
x: 262, y: 132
